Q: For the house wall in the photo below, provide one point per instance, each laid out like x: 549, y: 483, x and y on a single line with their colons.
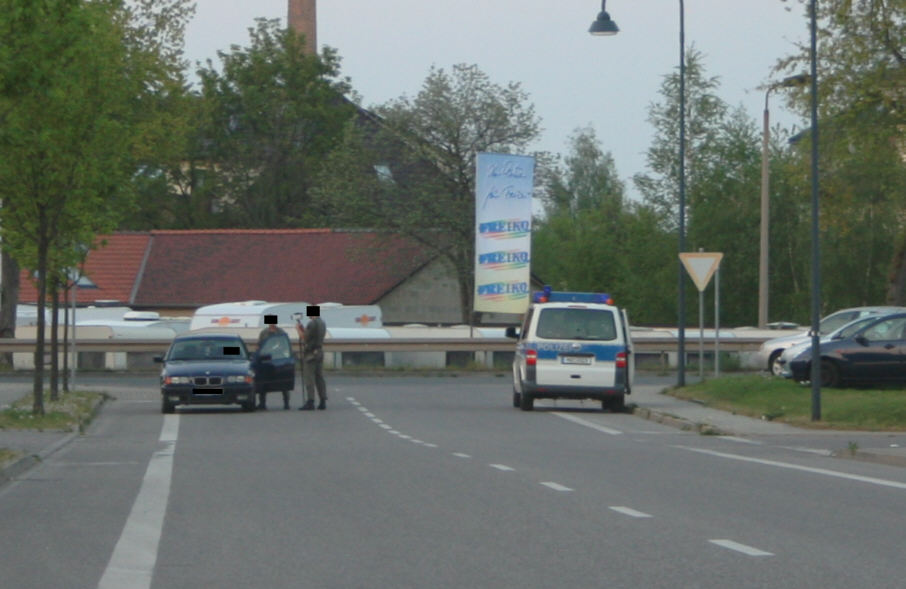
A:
x: 430, y: 296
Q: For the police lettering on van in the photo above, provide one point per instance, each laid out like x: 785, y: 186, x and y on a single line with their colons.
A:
x: 572, y: 345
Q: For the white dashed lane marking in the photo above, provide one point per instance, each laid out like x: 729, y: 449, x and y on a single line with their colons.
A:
x: 629, y: 511
x: 502, y: 467
x: 556, y: 486
x: 736, y: 546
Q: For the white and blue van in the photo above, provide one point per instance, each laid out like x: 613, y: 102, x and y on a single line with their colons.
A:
x: 572, y: 345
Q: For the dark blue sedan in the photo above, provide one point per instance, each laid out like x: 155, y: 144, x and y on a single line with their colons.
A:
x: 876, y: 353
x: 207, y: 369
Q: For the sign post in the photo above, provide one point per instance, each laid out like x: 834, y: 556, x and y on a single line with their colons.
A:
x: 701, y: 266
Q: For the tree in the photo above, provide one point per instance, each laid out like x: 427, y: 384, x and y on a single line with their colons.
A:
x: 593, y: 239
x: 425, y: 149
x: 705, y: 112
x: 75, y: 117
x: 862, y: 93
x: 274, y: 112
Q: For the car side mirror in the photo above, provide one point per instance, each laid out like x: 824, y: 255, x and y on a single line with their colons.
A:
x: 264, y: 358
x: 158, y: 359
x: 513, y: 332
x: 862, y: 340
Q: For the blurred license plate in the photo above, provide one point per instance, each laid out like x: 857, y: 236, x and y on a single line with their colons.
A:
x: 575, y: 359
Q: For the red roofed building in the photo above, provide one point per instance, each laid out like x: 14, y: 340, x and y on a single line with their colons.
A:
x: 175, y: 272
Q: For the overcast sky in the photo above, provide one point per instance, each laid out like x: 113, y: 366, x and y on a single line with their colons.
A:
x: 573, y: 78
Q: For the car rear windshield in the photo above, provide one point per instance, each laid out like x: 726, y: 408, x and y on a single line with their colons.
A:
x: 581, y: 324
x: 207, y: 349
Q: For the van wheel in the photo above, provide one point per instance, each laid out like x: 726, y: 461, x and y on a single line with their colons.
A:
x: 527, y: 402
x: 617, y: 404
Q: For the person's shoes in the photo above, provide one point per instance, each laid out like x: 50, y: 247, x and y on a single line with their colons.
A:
x: 309, y: 405
x: 322, y: 404
x: 261, y: 407
x: 285, y: 406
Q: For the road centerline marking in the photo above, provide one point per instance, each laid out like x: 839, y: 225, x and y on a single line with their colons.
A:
x: 744, y: 549
x: 502, y: 467
x: 556, y: 486
x: 629, y: 511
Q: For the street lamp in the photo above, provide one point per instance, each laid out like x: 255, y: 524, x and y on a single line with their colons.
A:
x: 763, y: 263
x: 816, y: 258
x: 603, y: 25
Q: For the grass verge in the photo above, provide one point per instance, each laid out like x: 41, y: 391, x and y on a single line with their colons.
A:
x: 768, y: 397
x: 72, y: 412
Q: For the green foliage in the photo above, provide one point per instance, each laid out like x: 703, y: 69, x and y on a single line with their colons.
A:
x: 862, y: 90
x: 592, y: 239
x: 274, y: 113
x: 76, y: 85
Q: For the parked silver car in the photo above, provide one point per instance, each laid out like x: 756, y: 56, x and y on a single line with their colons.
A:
x: 770, y: 351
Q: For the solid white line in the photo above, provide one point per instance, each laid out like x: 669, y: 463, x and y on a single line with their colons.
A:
x: 628, y: 511
x: 132, y: 562
x: 821, y: 471
x: 748, y: 550
x: 556, y: 486
x: 385, y: 426
x: 392, y: 431
x: 594, y: 426
x: 502, y: 467
x: 742, y: 440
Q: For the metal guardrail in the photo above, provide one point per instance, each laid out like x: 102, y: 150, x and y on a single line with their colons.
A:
x: 659, y: 344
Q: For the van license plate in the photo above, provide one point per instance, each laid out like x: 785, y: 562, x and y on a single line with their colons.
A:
x: 575, y: 359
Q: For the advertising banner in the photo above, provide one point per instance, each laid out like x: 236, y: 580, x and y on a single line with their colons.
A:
x: 503, y: 232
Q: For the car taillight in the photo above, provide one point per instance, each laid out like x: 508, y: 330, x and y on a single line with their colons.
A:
x: 531, y: 357
x: 621, y: 359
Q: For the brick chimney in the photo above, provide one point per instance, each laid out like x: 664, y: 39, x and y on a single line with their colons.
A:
x: 301, y: 18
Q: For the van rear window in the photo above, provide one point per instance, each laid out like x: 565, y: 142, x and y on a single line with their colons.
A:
x: 577, y: 324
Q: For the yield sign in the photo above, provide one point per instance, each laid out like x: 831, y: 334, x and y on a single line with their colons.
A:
x: 701, y: 266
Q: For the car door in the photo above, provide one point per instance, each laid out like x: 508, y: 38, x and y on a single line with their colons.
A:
x: 876, y: 353
x: 275, y: 365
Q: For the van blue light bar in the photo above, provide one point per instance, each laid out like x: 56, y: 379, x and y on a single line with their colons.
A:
x: 552, y: 296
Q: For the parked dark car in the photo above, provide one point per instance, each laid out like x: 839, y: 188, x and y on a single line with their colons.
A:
x: 875, y: 353
x: 207, y: 369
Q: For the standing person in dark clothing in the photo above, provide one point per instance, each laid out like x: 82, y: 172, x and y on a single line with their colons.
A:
x: 313, y: 358
x: 269, y: 331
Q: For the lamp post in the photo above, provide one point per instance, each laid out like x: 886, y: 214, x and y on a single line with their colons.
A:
x: 603, y: 25
x: 816, y: 269
x: 763, y: 263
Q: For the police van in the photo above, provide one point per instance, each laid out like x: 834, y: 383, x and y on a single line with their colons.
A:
x: 572, y: 345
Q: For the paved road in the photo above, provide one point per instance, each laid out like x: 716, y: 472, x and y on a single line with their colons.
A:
x: 438, y: 482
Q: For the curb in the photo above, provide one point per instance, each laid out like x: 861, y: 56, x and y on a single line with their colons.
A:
x: 704, y: 429
x: 873, y: 457
x: 18, y: 467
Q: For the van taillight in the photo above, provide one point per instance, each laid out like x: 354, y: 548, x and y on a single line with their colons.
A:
x: 531, y: 357
x: 621, y: 359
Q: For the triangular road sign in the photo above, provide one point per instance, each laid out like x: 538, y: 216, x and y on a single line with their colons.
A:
x: 701, y: 266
